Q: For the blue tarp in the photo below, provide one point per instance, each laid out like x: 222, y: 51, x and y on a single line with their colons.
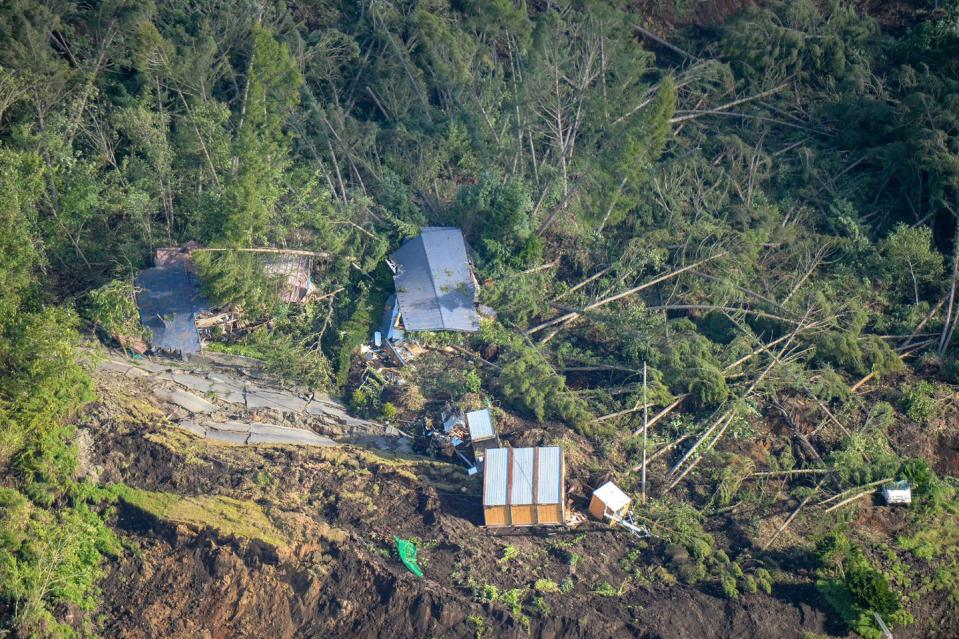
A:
x: 169, y: 299
x: 434, y: 286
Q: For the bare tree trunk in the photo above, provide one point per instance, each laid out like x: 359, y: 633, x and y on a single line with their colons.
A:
x: 950, y: 323
x: 575, y: 314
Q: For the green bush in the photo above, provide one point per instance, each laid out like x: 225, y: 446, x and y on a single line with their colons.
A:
x: 871, y: 589
x: 919, y: 402
x: 112, y: 307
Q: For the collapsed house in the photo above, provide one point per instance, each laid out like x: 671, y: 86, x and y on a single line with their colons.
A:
x: 292, y: 273
x: 524, y: 487
x: 435, y: 286
x: 168, y: 297
x: 171, y: 305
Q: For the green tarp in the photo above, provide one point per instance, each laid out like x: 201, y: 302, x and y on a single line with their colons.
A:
x: 407, y: 550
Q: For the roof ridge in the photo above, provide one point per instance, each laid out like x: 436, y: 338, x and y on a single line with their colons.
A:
x: 429, y: 270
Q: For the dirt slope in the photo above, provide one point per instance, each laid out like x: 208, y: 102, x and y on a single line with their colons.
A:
x: 334, y: 575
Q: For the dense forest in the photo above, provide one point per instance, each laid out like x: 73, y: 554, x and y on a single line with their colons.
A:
x: 758, y: 200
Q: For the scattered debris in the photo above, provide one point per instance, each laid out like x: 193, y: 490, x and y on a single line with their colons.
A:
x: 524, y: 487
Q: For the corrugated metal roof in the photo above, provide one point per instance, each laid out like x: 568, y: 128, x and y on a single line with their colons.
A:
x: 522, y: 489
x: 480, y: 424
x: 548, y: 472
x: 550, y: 484
x: 434, y: 286
x: 169, y: 298
x: 495, y: 477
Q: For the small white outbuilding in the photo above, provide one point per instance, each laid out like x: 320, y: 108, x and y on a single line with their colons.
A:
x: 609, y: 499
x: 897, y: 492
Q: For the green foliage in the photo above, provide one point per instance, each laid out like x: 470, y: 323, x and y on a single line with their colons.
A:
x: 510, y: 553
x: 112, y: 307
x: 388, y: 411
x: 871, y: 590
x: 857, y: 353
x: 286, y: 357
x: 546, y: 586
x: 528, y: 381
x: 864, y: 457
x: 853, y: 586
x: 911, y: 263
x: 238, y: 278
x: 253, y: 190
x: 496, y: 214
x: 606, y: 589
x: 919, y: 402
x: 796, y: 40
x: 49, y: 559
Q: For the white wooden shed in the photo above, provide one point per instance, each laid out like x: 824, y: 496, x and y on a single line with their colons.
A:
x: 897, y: 492
x: 609, y: 499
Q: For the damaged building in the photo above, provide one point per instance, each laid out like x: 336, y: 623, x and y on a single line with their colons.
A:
x: 172, y: 307
x: 435, y: 286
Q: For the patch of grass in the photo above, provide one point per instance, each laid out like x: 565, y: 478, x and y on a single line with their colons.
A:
x: 513, y: 600
x: 546, y: 585
x: 229, y: 516
x: 606, y: 589
x: 479, y: 624
x: 510, y: 553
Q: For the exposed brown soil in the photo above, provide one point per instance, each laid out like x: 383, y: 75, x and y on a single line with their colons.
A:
x: 336, y: 577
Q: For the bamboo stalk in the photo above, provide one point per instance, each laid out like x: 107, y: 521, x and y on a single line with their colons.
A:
x: 788, y: 473
x: 854, y: 489
x: 664, y: 412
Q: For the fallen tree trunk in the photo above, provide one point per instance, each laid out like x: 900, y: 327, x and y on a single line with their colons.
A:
x: 263, y: 250
x: 599, y: 303
x: 792, y: 516
x: 872, y: 484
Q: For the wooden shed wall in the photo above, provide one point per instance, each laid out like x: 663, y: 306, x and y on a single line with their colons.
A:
x: 495, y: 516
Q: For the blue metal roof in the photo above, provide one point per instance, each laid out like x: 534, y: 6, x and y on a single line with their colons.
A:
x: 169, y: 298
x: 434, y: 286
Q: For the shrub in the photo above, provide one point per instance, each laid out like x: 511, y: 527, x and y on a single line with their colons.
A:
x: 919, y: 402
x: 606, y: 589
x: 546, y: 586
x: 388, y: 411
x: 112, y: 307
x: 871, y: 589
x: 510, y: 553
